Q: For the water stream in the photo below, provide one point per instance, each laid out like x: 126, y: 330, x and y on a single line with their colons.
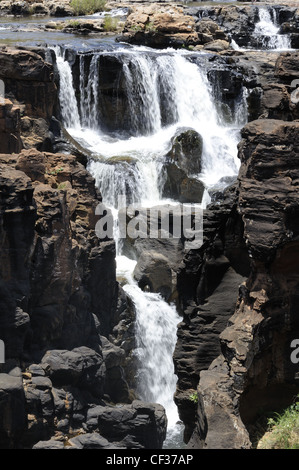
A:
x: 165, y: 91
x: 267, y: 31
x: 266, y: 34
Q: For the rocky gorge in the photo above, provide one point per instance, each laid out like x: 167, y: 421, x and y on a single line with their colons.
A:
x: 69, y: 379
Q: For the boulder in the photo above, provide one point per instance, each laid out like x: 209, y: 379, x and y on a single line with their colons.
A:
x: 90, y: 441
x: 13, y: 416
x: 180, y: 187
x: 136, y: 426
x: 186, y: 150
x: 81, y: 367
x: 153, y: 272
x: 159, y: 26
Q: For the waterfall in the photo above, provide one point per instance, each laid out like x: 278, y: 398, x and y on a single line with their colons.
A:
x: 267, y: 31
x: 164, y: 92
x: 156, y: 327
x: 67, y: 98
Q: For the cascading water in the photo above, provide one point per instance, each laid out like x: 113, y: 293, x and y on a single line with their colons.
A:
x: 267, y: 31
x: 67, y: 98
x: 165, y: 92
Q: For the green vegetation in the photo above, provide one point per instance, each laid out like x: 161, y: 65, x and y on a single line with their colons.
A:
x: 56, y: 171
x: 87, y: 7
x: 283, y: 430
x: 110, y: 24
x: 73, y: 23
x: 194, y: 397
x: 62, y: 186
x: 150, y: 27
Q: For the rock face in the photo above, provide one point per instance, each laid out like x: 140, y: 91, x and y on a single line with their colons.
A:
x: 58, y: 296
x: 10, y: 139
x: 28, y: 78
x: 238, y: 291
x: 159, y: 26
x: 255, y: 371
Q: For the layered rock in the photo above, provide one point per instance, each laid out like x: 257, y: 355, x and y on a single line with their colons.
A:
x: 10, y: 138
x: 234, y: 355
x: 159, y: 26
x: 252, y: 369
x: 256, y: 344
x: 59, y: 304
x: 29, y: 83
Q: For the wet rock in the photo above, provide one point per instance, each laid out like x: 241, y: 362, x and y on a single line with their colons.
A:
x: 186, y: 150
x: 153, y: 271
x: 180, y: 187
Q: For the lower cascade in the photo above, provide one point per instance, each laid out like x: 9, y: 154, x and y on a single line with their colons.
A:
x: 171, y: 92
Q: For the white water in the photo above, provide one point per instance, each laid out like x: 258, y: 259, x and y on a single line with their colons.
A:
x: 187, y: 102
x: 266, y: 33
x: 267, y: 30
x: 67, y: 97
x: 132, y: 166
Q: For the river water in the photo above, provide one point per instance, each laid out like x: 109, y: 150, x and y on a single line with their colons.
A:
x: 166, y: 91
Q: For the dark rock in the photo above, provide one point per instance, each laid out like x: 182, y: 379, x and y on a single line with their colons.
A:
x: 180, y: 187
x: 90, y: 441
x: 186, y: 150
x: 140, y: 425
x: 10, y: 137
x: 116, y: 385
x: 13, y: 419
x: 50, y: 444
x: 82, y: 367
x: 237, y: 384
x: 30, y: 79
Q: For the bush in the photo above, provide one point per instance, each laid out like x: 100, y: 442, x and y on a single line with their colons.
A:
x: 283, y: 430
x: 110, y: 24
x: 87, y: 7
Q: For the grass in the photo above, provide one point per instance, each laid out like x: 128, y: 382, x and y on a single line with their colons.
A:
x: 283, y: 430
x: 87, y: 7
x: 73, y: 23
x: 110, y: 23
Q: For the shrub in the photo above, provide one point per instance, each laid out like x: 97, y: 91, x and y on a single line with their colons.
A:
x: 110, y: 24
x: 283, y: 430
x: 87, y: 7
